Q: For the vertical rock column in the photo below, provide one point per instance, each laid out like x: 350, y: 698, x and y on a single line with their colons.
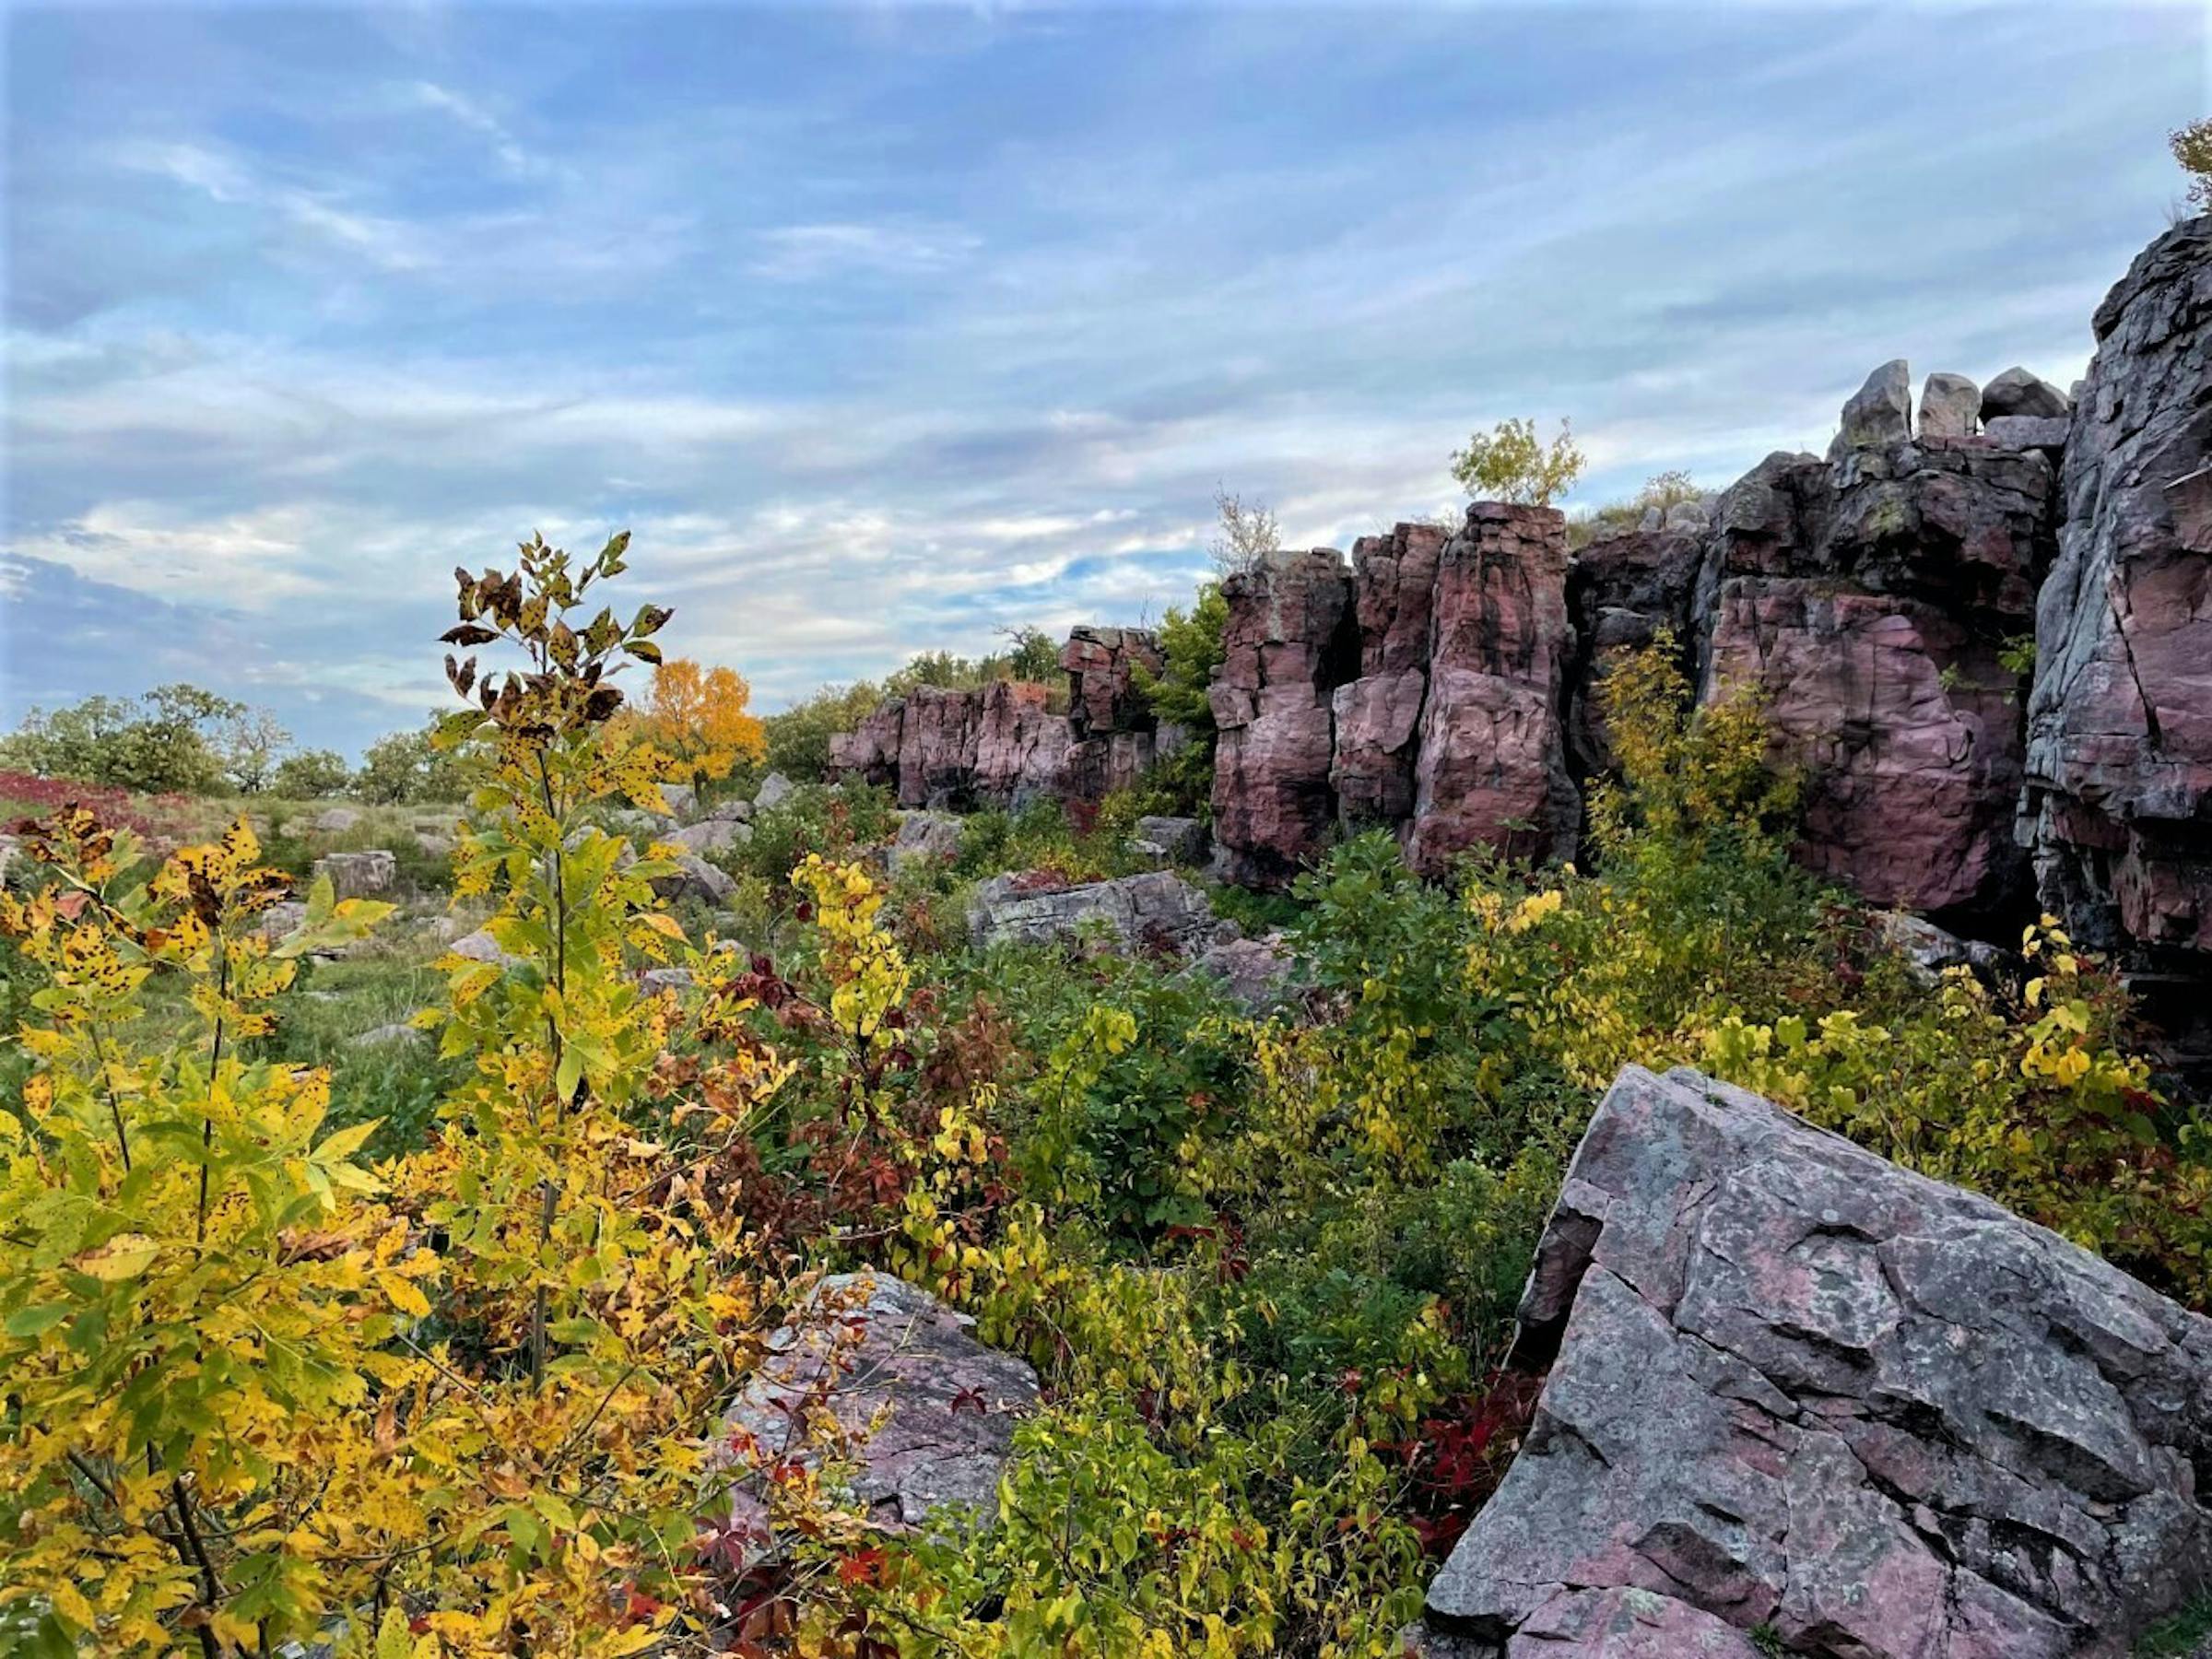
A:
x: 1290, y: 642
x: 1378, y: 715
x: 1492, y: 768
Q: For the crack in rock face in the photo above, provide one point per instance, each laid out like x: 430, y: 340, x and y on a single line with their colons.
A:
x: 1801, y: 1391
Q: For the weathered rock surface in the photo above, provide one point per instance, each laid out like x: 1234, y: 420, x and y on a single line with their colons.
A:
x: 358, y: 875
x: 2119, y: 801
x: 924, y: 837
x: 1256, y: 973
x: 1879, y: 413
x: 1102, y: 664
x: 480, y: 946
x: 1378, y: 715
x: 337, y: 820
x: 2045, y: 432
x: 1796, y: 1387
x: 2018, y: 392
x: 1950, y: 407
x: 1290, y: 640
x: 1871, y: 602
x: 924, y: 1413
x: 1928, y: 950
x: 1492, y: 767
x: 1020, y: 745
x: 1176, y: 841
x: 1154, y: 909
x: 775, y: 789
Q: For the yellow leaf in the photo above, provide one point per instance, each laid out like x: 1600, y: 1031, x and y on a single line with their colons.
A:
x: 123, y: 1256
x: 404, y: 1295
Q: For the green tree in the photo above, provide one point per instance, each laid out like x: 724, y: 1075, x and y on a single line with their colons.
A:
x: 404, y: 768
x: 309, y: 775
x: 798, y: 738
x: 247, y: 745
x: 161, y: 743
x: 1190, y: 649
x: 1510, y: 463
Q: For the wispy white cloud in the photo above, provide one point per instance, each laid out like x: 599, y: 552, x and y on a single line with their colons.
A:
x: 477, y: 119
x: 807, y: 253
x: 387, y: 242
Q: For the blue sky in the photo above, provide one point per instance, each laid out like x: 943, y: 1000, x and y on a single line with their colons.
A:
x: 885, y: 328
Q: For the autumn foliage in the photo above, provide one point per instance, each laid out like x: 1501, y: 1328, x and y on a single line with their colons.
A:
x: 700, y: 719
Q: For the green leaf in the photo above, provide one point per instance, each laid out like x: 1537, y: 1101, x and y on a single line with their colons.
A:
x: 37, y: 1322
x: 336, y: 1147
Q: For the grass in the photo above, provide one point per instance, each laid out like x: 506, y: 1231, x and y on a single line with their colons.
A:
x: 2186, y: 1633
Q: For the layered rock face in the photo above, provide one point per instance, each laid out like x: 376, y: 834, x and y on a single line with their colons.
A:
x: 1290, y: 640
x: 1870, y: 601
x: 1002, y: 746
x: 1421, y: 690
x: 2119, y: 800
x: 1800, y: 1389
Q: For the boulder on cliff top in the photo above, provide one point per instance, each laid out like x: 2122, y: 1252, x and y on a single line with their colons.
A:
x: 2018, y: 392
x: 1880, y: 412
x: 1795, y: 1388
x: 1950, y: 407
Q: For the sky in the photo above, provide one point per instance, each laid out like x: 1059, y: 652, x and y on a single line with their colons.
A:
x: 888, y: 328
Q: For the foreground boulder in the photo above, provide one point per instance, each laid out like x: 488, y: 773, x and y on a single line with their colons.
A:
x: 923, y: 1414
x: 1154, y: 909
x: 358, y: 875
x: 1800, y: 1390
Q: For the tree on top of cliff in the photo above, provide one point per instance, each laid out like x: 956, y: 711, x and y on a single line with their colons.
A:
x: 1246, y: 535
x: 1510, y: 463
x: 2193, y: 148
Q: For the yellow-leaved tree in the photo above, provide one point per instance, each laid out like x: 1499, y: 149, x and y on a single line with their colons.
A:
x: 701, y: 718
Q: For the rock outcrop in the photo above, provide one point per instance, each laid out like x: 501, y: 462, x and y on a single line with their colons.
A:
x: 1003, y: 745
x: 1622, y: 591
x: 2119, y: 800
x: 358, y: 875
x: 1871, y: 603
x: 1288, y: 645
x: 1797, y: 1390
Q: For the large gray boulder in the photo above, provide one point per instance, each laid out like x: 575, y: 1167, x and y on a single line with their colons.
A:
x: 337, y: 820
x: 1797, y: 1389
x: 358, y: 875
x: 925, y: 1413
x: 775, y: 789
x: 712, y: 836
x: 2016, y: 391
x: 1157, y: 908
x: 1950, y: 407
x: 1177, y: 841
x: 1880, y: 412
x: 924, y: 838
x: 696, y: 880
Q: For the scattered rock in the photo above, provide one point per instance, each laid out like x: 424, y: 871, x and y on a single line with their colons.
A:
x: 1176, y: 841
x: 1880, y: 412
x: 924, y: 838
x: 2016, y: 391
x: 680, y: 798
x: 696, y: 880
x: 358, y: 875
x: 337, y: 820
x: 711, y: 835
x: 281, y: 921
x: 654, y: 980
x: 737, y: 810
x: 10, y: 848
x: 436, y: 846
x: 929, y: 1411
x: 1950, y: 407
x: 774, y: 790
x: 1254, y: 973
x: 1796, y: 1387
x: 1155, y: 909
x: 480, y: 946
x: 1928, y: 950
x: 386, y: 1036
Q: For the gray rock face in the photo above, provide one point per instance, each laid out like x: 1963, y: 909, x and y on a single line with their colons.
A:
x: 1256, y: 974
x: 1157, y: 908
x: 928, y: 1413
x: 1950, y: 407
x: 337, y: 820
x: 654, y: 980
x: 774, y: 790
x: 2016, y: 391
x: 2046, y: 433
x: 1180, y: 840
x: 680, y: 798
x: 387, y: 1036
x: 2119, y: 798
x: 1880, y: 412
x: 1928, y: 950
x: 1798, y: 1387
x: 924, y: 837
x: 737, y: 810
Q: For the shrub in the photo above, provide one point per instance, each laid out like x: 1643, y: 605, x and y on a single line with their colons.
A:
x: 1510, y: 463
